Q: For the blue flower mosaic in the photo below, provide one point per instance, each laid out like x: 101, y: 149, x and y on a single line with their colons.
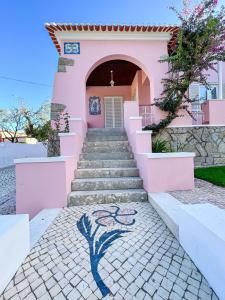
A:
x: 98, y: 247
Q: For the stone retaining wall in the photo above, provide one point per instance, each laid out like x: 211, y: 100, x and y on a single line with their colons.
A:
x: 208, y: 142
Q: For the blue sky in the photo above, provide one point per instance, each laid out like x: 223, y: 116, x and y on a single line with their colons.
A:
x: 27, y: 52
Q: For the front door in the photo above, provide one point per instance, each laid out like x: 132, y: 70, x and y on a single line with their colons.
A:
x: 113, y: 112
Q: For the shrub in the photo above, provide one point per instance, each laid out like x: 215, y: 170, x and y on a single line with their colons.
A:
x: 160, y: 146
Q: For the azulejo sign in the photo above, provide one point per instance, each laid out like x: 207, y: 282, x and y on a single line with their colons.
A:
x: 94, y: 105
x: 72, y: 48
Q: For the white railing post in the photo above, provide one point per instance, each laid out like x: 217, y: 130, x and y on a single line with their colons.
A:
x: 220, y: 77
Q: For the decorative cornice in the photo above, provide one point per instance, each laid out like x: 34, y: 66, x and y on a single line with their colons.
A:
x: 111, y: 32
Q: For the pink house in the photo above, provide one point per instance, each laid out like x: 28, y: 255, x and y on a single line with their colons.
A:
x: 132, y: 53
x: 108, y: 77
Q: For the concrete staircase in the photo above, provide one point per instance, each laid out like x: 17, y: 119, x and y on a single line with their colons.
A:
x: 107, y: 171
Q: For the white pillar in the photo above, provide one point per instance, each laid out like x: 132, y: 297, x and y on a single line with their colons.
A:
x: 220, y: 77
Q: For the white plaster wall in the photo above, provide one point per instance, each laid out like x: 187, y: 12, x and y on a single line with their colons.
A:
x: 10, y: 151
x: 14, y: 246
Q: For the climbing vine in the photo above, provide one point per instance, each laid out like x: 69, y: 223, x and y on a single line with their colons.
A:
x: 200, y: 44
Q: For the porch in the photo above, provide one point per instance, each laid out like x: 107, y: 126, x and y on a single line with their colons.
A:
x: 115, y: 82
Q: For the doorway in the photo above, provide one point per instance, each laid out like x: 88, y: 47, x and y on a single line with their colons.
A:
x: 113, y: 112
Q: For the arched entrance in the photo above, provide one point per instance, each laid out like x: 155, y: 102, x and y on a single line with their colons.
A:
x: 108, y: 85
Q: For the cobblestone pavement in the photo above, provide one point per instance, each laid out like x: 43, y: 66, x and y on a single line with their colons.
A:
x: 204, y: 192
x: 145, y: 263
x: 7, y: 190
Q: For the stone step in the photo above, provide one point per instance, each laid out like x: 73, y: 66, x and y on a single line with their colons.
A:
x: 107, y: 156
x: 109, y: 196
x: 95, y: 138
x: 106, y: 149
x: 106, y: 131
x: 95, y: 164
x: 90, y: 184
x: 107, y: 173
x: 106, y: 144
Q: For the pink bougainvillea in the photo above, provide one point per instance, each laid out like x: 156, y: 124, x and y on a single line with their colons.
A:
x: 200, y: 44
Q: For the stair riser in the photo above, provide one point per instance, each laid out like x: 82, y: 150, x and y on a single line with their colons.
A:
x: 107, y: 185
x: 106, y: 149
x: 109, y: 138
x: 106, y: 144
x: 95, y: 173
x: 106, y: 156
x: 113, y: 198
x: 106, y: 164
x: 104, y: 130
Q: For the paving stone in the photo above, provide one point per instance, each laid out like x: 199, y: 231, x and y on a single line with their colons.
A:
x: 204, y: 192
x: 55, y: 290
x: 174, y: 296
x: 149, y: 288
x: 190, y: 296
x: 177, y: 289
x: 133, y: 288
x: 40, y: 291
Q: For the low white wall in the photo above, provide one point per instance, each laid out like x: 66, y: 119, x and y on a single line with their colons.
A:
x: 14, y: 246
x: 200, y: 228
x: 10, y: 151
x: 202, y: 234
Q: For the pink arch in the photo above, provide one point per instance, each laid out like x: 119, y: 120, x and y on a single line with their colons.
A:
x: 118, y: 56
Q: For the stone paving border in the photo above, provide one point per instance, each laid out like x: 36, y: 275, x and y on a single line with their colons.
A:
x: 204, y: 192
x: 146, y: 263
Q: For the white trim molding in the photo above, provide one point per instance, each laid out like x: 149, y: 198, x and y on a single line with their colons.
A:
x: 192, y: 126
x: 170, y: 155
x: 113, y: 36
x: 220, y: 79
x: 67, y: 134
x: 29, y: 160
x: 144, y: 131
x: 75, y: 119
x: 136, y: 118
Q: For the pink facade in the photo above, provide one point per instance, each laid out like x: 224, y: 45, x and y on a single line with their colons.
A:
x: 214, y: 112
x: 70, y: 87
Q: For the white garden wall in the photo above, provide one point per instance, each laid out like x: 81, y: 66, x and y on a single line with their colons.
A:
x: 10, y: 151
x: 14, y: 246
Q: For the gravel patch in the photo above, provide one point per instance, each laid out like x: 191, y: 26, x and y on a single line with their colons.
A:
x: 7, y: 190
x: 204, y: 192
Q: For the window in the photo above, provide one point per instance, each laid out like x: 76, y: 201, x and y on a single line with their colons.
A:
x: 208, y: 94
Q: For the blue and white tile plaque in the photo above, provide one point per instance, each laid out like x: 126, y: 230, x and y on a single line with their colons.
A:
x: 72, y: 48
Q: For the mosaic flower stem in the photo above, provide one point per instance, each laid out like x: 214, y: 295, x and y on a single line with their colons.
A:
x: 94, y: 269
x: 99, y: 246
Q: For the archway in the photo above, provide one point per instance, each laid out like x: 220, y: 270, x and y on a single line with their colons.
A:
x: 111, y: 82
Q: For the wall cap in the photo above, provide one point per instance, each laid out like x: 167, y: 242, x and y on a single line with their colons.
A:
x: 67, y: 133
x: 7, y: 222
x: 144, y: 131
x: 75, y: 119
x: 193, y: 126
x: 29, y: 160
x: 170, y: 155
x: 135, y: 118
